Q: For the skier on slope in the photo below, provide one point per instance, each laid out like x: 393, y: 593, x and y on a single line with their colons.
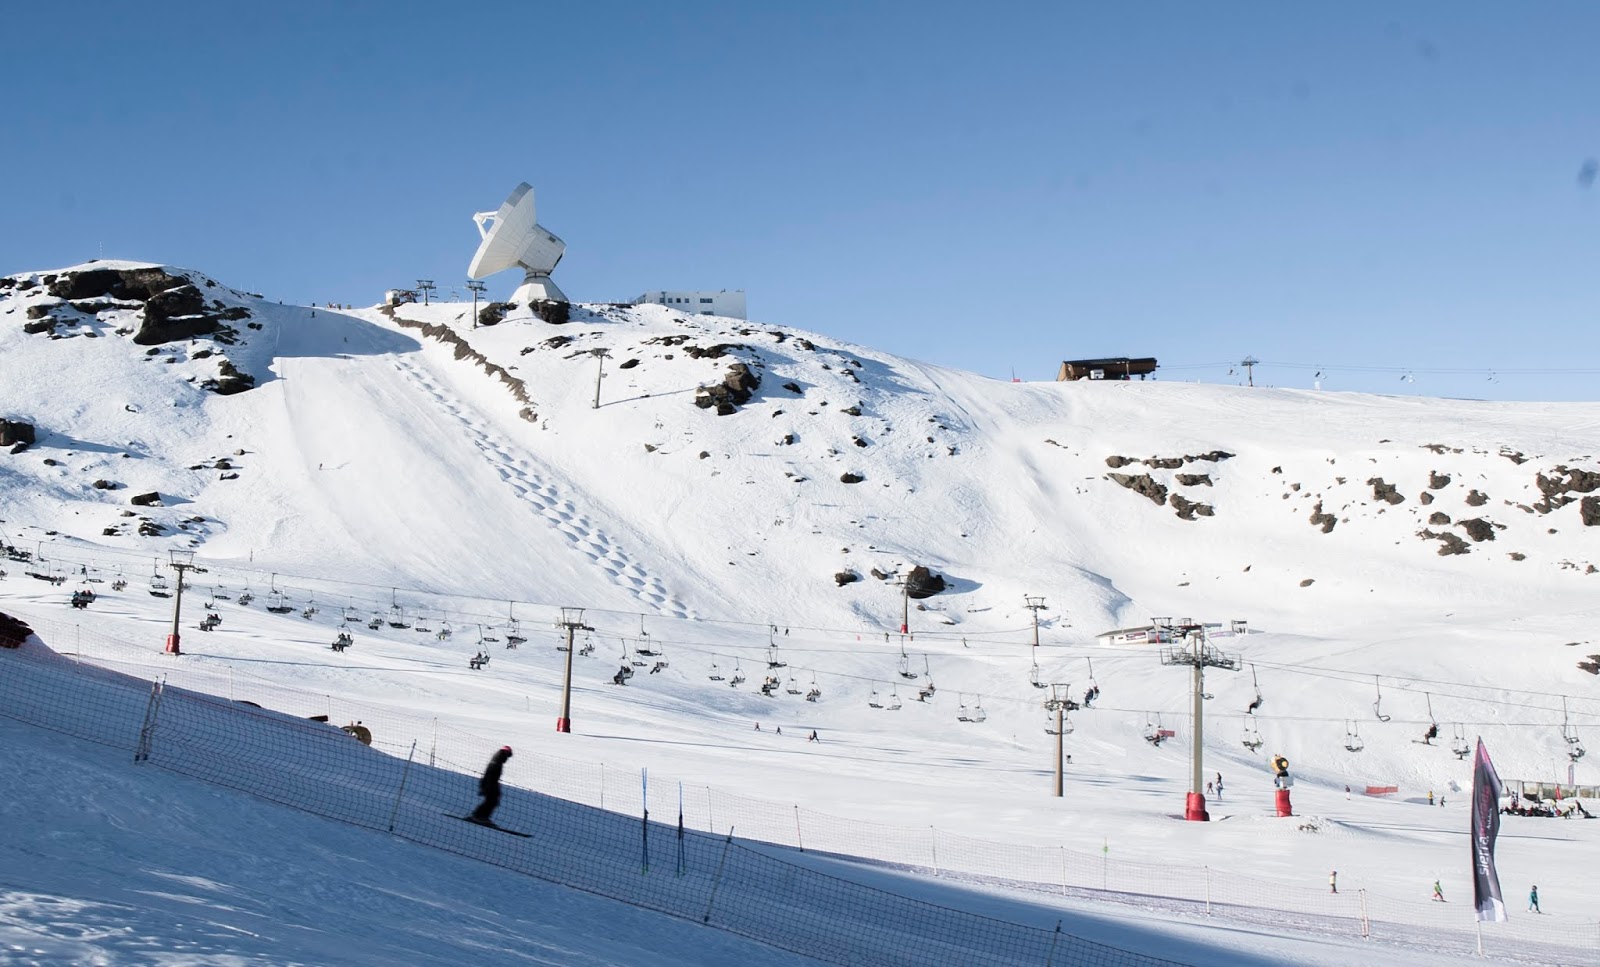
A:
x: 1438, y: 892
x: 489, y: 787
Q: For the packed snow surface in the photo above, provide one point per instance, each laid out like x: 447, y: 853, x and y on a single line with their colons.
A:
x: 402, y: 468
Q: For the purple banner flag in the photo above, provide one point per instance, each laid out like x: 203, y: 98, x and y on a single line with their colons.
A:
x: 1485, y: 827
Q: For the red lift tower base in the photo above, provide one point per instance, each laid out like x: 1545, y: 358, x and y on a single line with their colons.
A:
x: 1284, y: 809
x: 172, y: 645
x: 563, y: 725
x: 1194, y: 810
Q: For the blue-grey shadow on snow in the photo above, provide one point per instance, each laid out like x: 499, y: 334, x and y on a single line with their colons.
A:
x: 303, y: 332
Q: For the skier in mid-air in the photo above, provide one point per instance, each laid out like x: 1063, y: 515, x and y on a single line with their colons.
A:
x: 489, y: 787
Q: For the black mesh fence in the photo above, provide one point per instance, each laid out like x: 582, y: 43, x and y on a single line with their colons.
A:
x: 587, y: 829
x: 659, y: 865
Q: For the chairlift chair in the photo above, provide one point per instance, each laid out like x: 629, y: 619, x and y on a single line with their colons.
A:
x: 716, y: 673
x: 444, y: 630
x: 773, y: 661
x: 376, y: 621
x: 397, y: 619
x: 120, y: 582
x: 738, y: 675
x: 872, y: 699
x: 793, y: 688
x: 1377, y: 706
x: 978, y: 714
x: 1352, y: 737
x: 1033, y: 677
x: 814, y: 692
x: 276, y: 603
x: 1153, y: 732
x: 1458, y: 742
x: 1252, y: 736
x: 894, y: 700
x: 905, y: 665
x: 962, y: 713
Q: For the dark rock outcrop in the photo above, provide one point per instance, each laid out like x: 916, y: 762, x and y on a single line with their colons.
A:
x: 846, y: 577
x: 13, y: 631
x: 555, y: 313
x: 1438, y: 518
x: 1194, y: 479
x: 493, y: 313
x: 1589, y: 509
x: 1324, y: 521
x: 1188, y: 509
x: 1437, y: 480
x: 150, y: 499
x: 1476, y: 499
x: 1479, y: 530
x: 1116, y: 462
x: 1142, y: 484
x: 1448, y: 543
x: 1385, y: 491
x: 15, y: 431
x: 850, y: 478
x: 734, y: 391
x: 923, y: 583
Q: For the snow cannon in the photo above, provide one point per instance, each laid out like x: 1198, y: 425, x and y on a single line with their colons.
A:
x: 1194, y: 809
x: 1282, y: 781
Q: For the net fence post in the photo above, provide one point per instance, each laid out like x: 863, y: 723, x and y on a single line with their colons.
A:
x: 1208, y: 889
x: 1366, y: 928
x: 933, y: 848
x: 716, y: 880
x: 798, y: 840
x: 147, y: 729
x: 1055, y: 938
x: 404, y: 775
x: 644, y: 822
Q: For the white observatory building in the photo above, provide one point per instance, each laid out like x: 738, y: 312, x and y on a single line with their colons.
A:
x: 719, y: 302
x: 511, y: 237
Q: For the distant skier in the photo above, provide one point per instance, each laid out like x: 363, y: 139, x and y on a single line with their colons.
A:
x: 1431, y: 734
x: 1430, y: 797
x: 1438, y: 892
x: 1533, y: 899
x: 489, y: 787
x: 1333, y: 881
x: 1219, y: 785
x: 813, y: 736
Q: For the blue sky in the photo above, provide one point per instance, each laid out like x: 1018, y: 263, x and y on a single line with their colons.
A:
x: 1369, y: 190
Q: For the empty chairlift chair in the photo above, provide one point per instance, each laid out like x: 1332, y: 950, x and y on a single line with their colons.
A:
x: 1352, y: 737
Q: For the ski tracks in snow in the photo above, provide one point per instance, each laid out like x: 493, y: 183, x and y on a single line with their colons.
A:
x: 546, y: 500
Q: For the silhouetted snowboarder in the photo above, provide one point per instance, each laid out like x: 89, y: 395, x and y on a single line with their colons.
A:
x: 489, y: 787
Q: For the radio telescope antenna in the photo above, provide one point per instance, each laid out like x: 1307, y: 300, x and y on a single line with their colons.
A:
x: 513, y: 238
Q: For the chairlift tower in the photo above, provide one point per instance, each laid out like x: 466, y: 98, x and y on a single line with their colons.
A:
x: 425, y: 286
x: 1060, y: 702
x: 572, y: 620
x: 1198, y: 654
x: 600, y: 355
x: 477, y: 289
x: 1036, y: 605
x: 181, y: 561
x: 1250, y: 363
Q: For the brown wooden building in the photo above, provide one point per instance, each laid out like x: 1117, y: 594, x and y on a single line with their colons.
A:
x: 1120, y: 367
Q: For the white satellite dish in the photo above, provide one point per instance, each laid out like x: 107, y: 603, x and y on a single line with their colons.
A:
x: 511, y: 238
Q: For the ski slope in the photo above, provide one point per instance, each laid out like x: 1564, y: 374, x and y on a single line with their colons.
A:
x: 385, y: 474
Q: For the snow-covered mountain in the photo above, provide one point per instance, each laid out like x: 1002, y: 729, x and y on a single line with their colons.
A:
x: 746, y: 492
